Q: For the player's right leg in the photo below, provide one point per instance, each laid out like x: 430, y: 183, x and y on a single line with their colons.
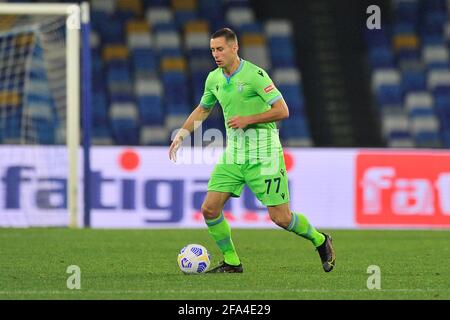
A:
x: 220, y: 231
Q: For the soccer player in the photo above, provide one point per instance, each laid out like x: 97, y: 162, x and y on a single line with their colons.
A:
x: 251, y: 105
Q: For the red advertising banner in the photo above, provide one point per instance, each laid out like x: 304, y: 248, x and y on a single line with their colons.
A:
x: 401, y: 188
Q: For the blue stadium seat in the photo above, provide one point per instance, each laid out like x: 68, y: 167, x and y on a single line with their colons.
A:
x: 11, y: 127
x: 377, y: 37
x: 39, y: 99
x: 178, y: 108
x: 253, y: 27
x: 381, y: 57
x: 294, y: 127
x: 408, y: 55
x: 428, y: 139
x: 164, y: 27
x: 444, y: 118
x: 144, y: 59
x: 399, y: 135
x: 442, y: 103
x: 124, y: 16
x: 434, y: 22
x: 407, y: 11
x: 101, y: 130
x: 421, y: 113
x: 198, y: 85
x: 121, y: 97
x: 281, y: 52
x: 413, y: 80
x: 439, y: 5
x: 111, y: 31
x: 125, y: 131
x: 215, y: 123
x: 291, y: 94
x: 118, y: 73
x: 46, y: 132
x: 446, y: 139
x: 151, y: 110
x: 175, y: 87
x: 156, y: 3
x: 184, y: 16
x: 99, y: 110
x: 438, y: 65
x: 432, y: 39
x: 403, y: 27
x: 238, y: 4
x: 389, y: 95
x: 170, y: 52
x: 124, y: 122
x: 97, y: 19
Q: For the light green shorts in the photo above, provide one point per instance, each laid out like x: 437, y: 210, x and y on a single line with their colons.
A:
x: 267, y: 179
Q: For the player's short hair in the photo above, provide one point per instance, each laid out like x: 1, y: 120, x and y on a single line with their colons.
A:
x: 227, y: 33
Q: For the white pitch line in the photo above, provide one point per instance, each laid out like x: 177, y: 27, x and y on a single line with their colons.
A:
x: 81, y: 291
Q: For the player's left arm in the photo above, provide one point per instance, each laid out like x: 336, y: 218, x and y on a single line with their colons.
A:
x: 265, y: 88
x: 279, y: 111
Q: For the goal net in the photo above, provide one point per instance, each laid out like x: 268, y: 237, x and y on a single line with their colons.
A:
x: 39, y: 115
x: 33, y: 81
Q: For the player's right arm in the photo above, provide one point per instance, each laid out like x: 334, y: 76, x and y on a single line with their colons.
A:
x: 194, y: 120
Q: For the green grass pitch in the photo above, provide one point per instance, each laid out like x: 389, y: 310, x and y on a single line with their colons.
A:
x: 141, y: 264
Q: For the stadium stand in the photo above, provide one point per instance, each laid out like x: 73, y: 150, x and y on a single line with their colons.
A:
x: 409, y: 61
x: 151, y: 58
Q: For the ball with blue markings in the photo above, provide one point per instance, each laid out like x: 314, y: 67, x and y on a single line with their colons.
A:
x: 194, y: 259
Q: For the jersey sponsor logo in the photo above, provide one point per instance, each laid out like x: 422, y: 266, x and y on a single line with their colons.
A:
x: 269, y: 88
x: 390, y: 190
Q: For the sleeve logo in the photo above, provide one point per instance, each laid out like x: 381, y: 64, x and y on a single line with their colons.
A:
x: 269, y: 88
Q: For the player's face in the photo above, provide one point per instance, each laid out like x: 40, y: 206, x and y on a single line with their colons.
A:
x: 223, y: 52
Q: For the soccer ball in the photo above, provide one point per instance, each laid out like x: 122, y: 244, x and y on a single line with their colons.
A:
x: 193, y: 259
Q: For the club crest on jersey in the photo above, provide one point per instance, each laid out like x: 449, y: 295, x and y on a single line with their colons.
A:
x: 269, y: 88
x: 240, y: 86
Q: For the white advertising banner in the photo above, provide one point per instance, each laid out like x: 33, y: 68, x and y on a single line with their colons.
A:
x: 33, y: 186
x: 141, y: 188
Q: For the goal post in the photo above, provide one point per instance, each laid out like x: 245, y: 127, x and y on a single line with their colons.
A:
x: 86, y: 80
x: 77, y: 21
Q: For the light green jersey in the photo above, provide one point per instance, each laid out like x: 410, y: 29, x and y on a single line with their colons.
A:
x: 248, y: 91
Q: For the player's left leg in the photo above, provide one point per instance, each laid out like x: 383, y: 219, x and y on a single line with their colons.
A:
x: 295, y: 222
x: 299, y: 224
x: 270, y: 185
x: 269, y: 182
